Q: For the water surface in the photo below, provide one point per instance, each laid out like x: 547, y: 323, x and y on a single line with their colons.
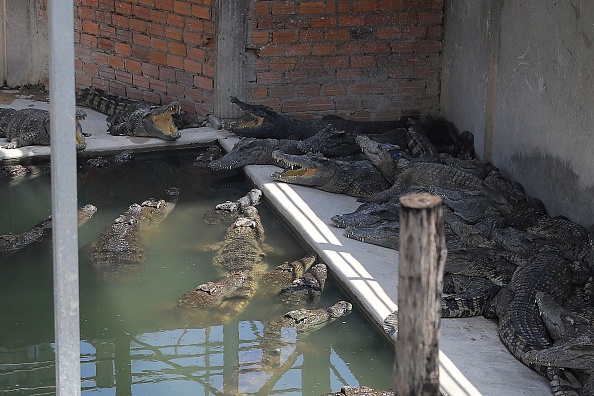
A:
x: 133, y: 339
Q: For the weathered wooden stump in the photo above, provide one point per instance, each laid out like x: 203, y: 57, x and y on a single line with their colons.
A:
x: 422, y: 261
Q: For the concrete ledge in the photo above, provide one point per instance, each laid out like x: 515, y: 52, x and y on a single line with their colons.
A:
x: 101, y: 142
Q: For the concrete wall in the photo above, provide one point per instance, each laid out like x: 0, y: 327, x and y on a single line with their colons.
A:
x: 519, y: 75
x: 24, y: 45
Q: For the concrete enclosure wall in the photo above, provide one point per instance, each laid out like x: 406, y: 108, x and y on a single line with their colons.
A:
x: 24, y: 42
x: 519, y: 75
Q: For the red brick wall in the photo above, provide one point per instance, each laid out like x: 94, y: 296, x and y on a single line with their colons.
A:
x: 361, y: 59
x: 153, y: 50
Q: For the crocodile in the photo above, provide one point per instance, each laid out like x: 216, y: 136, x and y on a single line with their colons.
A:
x: 241, y: 251
x: 573, y: 346
x: 332, y: 142
x: 132, y: 117
x: 228, y: 211
x: 303, y: 321
x: 521, y: 328
x: 283, y: 275
x: 403, y: 173
x: 212, y: 153
x: 465, y: 296
x: 306, y: 289
x: 266, y: 123
x: 355, y: 178
x: 212, y: 293
x: 361, y: 391
x: 125, y: 156
x: 19, y: 172
x: 10, y: 243
x: 254, y: 151
x: 119, y: 249
x: 30, y: 127
x: 386, y: 234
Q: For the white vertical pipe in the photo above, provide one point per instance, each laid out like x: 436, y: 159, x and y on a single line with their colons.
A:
x: 64, y: 197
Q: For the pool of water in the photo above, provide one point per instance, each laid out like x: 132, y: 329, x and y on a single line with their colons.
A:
x: 133, y: 340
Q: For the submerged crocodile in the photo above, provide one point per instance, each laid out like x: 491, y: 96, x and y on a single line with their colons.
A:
x: 119, y: 249
x: 30, y: 127
x: 354, y: 178
x: 303, y: 321
x: 306, y: 289
x: 239, y: 258
x: 132, y: 117
x: 126, y: 156
x: 228, y: 211
x: 266, y: 123
x: 10, y: 243
x: 361, y: 391
x: 19, y: 172
x: 210, y: 294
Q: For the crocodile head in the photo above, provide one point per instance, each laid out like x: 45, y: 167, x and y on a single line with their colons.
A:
x: 154, y: 211
x: 15, y: 172
x: 383, y: 155
x: 258, y: 121
x: 310, y: 320
x: 247, y: 151
x: 311, y: 170
x: 81, y: 144
x: 157, y: 121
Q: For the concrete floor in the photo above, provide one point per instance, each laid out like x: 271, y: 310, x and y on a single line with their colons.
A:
x: 472, y: 359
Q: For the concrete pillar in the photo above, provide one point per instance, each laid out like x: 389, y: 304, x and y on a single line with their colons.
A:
x: 25, y: 42
x: 231, y: 39
x: 2, y: 42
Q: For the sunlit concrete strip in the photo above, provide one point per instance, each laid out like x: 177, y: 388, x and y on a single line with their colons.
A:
x: 64, y: 197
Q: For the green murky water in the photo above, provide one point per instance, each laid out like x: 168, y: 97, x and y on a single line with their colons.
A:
x: 133, y: 342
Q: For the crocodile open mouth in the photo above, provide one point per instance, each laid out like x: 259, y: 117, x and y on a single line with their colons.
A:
x: 301, y: 172
x: 164, y: 121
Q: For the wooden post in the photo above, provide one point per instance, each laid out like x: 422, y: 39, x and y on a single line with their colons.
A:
x: 422, y: 260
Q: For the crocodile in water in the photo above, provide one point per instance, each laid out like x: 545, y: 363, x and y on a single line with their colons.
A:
x: 30, y: 127
x: 10, y: 243
x: 303, y: 321
x: 119, y: 249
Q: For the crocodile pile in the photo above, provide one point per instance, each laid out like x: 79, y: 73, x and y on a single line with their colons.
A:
x: 503, y: 248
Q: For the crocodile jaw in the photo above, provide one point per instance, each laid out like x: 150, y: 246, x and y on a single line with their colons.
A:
x: 160, y: 125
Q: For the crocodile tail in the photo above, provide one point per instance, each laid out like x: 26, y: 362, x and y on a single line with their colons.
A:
x: 99, y: 100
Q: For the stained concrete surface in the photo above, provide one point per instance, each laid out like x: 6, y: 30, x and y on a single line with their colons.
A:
x: 472, y: 359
